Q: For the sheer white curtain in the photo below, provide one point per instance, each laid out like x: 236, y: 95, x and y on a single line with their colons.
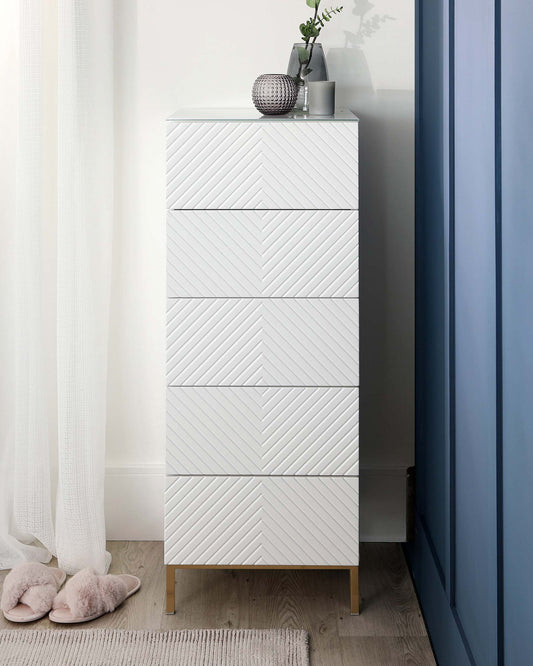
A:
x: 55, y: 284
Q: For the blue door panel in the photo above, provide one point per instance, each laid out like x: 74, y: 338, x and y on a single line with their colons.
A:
x: 475, y: 329
x: 517, y: 327
x: 432, y: 286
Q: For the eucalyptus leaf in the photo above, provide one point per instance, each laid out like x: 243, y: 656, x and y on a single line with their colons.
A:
x: 303, y: 55
x: 313, y: 3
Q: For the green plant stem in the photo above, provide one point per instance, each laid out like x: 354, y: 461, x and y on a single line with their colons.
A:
x: 312, y: 47
x: 306, y: 46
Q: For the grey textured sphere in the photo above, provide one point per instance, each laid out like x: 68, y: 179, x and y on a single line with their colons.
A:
x: 274, y: 94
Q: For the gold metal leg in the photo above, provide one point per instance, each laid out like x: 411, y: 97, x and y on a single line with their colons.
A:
x: 171, y: 587
x: 354, y: 590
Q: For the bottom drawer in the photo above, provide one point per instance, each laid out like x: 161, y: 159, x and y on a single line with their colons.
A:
x: 251, y: 520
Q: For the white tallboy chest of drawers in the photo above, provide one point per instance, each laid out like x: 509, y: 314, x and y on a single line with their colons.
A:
x: 262, y: 343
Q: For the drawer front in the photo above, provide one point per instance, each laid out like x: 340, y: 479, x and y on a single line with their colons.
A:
x: 253, y: 165
x: 305, y: 521
x: 273, y: 431
x: 262, y: 253
x: 262, y: 342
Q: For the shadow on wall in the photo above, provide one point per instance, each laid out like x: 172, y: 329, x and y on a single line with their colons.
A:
x: 369, y: 23
x: 387, y: 246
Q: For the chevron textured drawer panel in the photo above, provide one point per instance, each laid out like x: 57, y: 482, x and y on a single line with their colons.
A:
x: 281, y: 431
x: 262, y: 253
x: 305, y: 521
x: 262, y: 342
x: 255, y: 165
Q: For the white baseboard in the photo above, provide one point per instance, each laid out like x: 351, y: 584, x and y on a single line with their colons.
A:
x: 134, y: 503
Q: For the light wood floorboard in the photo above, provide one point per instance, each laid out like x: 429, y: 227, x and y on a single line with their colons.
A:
x: 389, y: 632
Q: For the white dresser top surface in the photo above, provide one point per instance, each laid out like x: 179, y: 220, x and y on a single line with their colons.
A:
x: 227, y: 115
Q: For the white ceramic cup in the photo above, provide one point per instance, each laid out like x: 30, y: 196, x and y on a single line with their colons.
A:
x: 321, y: 98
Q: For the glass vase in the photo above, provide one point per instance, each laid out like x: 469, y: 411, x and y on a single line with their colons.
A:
x: 317, y: 70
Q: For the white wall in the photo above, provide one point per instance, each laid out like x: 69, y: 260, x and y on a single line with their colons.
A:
x: 172, y: 54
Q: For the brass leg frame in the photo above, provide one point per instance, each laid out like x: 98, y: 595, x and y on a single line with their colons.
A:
x: 171, y: 584
x: 171, y: 590
x: 354, y: 590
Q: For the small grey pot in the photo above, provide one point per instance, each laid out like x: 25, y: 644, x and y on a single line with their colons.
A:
x: 274, y: 94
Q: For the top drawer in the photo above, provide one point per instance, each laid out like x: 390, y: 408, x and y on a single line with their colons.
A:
x: 253, y: 165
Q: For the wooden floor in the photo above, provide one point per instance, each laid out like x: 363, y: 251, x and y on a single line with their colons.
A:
x: 389, y: 632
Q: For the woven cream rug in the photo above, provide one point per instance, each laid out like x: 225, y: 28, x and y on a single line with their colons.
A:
x: 115, y: 647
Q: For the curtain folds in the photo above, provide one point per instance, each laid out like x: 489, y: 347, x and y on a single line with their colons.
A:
x: 53, y: 452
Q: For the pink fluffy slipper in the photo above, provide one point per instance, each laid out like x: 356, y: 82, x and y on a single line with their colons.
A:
x: 87, y: 596
x: 29, y: 591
